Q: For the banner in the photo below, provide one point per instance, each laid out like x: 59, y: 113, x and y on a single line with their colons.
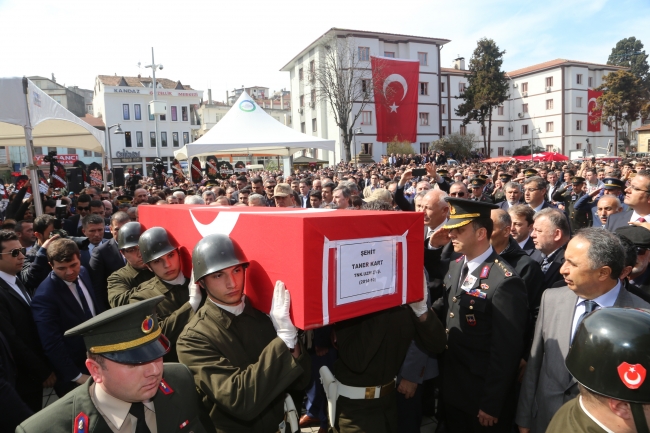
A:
x: 197, y: 175
x: 211, y: 167
x: 84, y: 173
x: 63, y: 159
x: 592, y: 113
x: 95, y: 174
x: 179, y: 176
x: 395, y: 84
x: 58, y: 178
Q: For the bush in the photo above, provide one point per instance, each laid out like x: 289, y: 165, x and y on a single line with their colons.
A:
x: 460, y: 146
x: 401, y: 147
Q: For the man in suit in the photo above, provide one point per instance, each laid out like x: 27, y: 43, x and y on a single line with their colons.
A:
x: 512, y: 196
x: 65, y: 299
x: 486, y: 316
x: 92, y: 226
x: 72, y: 225
x: 591, y: 272
x: 639, y: 276
x: 522, y: 217
x: 637, y: 197
x: 550, y: 234
x: 130, y: 389
x: 611, y: 189
x: 304, y: 186
x: 14, y: 409
x: 33, y: 371
x: 35, y: 267
x: 535, y: 193
x: 106, y: 258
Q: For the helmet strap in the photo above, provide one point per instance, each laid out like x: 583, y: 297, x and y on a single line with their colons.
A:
x: 639, y: 418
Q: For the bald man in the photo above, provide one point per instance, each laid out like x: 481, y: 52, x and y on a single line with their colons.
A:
x: 607, y: 205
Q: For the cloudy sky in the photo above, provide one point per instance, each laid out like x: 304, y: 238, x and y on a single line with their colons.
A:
x: 226, y: 44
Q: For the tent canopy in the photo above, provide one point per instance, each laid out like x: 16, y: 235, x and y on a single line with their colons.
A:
x: 247, y: 128
x: 53, y: 125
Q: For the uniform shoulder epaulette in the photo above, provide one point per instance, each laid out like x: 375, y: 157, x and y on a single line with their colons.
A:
x: 505, y: 269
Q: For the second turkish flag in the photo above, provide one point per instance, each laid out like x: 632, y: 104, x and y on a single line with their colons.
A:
x: 396, y: 98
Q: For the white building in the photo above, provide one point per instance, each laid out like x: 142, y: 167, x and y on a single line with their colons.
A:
x: 316, y: 118
x: 125, y: 101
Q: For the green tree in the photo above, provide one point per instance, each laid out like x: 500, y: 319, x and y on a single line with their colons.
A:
x: 401, y: 147
x: 460, y: 146
x: 629, y: 52
x: 487, y: 89
x: 525, y: 150
x: 624, y: 100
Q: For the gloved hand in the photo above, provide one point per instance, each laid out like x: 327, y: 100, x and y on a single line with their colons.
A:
x: 419, y: 308
x: 195, y: 293
x: 280, y: 315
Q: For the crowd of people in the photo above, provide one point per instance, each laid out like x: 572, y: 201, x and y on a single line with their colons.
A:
x: 516, y: 257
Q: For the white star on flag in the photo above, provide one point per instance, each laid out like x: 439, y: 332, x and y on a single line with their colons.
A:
x: 393, y: 108
x: 632, y: 369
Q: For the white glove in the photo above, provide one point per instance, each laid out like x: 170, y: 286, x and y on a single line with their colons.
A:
x: 195, y: 293
x: 419, y: 308
x: 280, y: 315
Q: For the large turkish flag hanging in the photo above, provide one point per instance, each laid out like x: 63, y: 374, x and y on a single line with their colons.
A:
x: 396, y: 98
x: 591, y: 109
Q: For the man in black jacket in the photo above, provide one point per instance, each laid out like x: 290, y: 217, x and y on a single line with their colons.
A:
x: 72, y: 225
x: 551, y: 234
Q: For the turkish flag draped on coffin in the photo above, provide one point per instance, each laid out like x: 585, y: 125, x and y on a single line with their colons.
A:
x: 591, y: 109
x: 396, y: 98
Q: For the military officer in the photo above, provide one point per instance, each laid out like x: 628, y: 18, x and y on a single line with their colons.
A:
x: 477, y: 185
x: 486, y: 319
x: 181, y: 301
x: 609, y: 358
x: 568, y: 196
x: 530, y: 172
x: 243, y: 361
x: 500, y: 194
x: 130, y: 389
x: 123, y: 282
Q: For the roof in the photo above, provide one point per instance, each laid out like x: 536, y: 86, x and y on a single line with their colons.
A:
x: 308, y: 159
x: 559, y: 62
x: 455, y: 71
x: 394, y: 37
x: 643, y: 128
x: 97, y: 122
x: 116, y: 80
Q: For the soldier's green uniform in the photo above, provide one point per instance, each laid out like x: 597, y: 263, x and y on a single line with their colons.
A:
x: 500, y: 195
x: 577, y: 219
x: 127, y: 335
x: 572, y: 418
x: 123, y: 282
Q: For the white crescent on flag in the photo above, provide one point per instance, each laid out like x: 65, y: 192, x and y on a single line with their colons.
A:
x: 396, y: 78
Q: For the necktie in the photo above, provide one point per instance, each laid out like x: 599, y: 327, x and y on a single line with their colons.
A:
x: 641, y: 220
x: 463, y: 274
x: 137, y: 410
x: 24, y: 291
x: 84, y: 303
x: 589, y: 307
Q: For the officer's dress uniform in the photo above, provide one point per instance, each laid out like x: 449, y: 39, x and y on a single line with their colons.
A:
x: 486, y: 319
x: 578, y: 219
x: 241, y: 368
x: 123, y: 282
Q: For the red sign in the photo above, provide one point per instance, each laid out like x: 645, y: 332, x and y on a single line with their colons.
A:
x: 396, y: 98
x: 592, y: 113
x: 337, y: 264
x: 63, y: 159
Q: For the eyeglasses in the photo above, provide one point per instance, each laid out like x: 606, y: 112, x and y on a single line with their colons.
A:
x: 83, y: 209
x: 457, y: 194
x: 638, y: 189
x: 640, y: 251
x: 16, y: 252
x: 532, y: 189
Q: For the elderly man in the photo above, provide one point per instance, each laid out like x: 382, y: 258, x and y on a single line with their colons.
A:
x: 551, y: 234
x: 140, y: 196
x: 612, y: 188
x: 172, y: 199
x: 208, y: 196
x: 606, y: 206
x: 591, y: 271
x: 195, y: 199
x: 180, y: 196
x: 256, y: 200
x: 108, y: 208
x: 512, y: 195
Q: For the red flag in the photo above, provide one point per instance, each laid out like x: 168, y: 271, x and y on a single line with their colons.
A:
x: 592, y: 113
x: 58, y: 177
x: 396, y: 98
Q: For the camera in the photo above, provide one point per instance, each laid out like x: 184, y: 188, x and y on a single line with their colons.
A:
x: 50, y: 157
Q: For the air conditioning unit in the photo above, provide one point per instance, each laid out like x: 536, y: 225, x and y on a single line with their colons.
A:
x: 312, y: 104
x: 301, y: 110
x: 548, y: 89
x: 508, y: 152
x: 524, y: 94
x: 510, y: 129
x: 521, y: 116
x: 515, y: 85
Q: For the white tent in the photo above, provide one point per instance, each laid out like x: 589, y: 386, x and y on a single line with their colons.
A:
x: 29, y: 117
x: 247, y: 128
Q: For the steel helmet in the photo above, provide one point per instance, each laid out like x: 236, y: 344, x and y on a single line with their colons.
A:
x: 610, y: 356
x: 155, y: 243
x: 128, y: 235
x: 214, y: 253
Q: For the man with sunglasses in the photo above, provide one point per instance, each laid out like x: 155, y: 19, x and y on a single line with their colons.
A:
x: 72, y: 225
x: 269, y: 186
x: 637, y: 197
x: 640, y: 274
x: 35, y: 267
x: 458, y: 190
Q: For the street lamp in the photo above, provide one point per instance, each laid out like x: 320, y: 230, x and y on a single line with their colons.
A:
x: 155, y: 67
x: 110, y: 152
x: 354, y: 148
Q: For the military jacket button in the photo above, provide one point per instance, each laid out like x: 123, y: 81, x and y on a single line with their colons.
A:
x: 451, y: 315
x: 454, y: 299
x: 471, y: 308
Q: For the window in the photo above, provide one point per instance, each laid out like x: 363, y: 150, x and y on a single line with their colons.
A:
x: 424, y: 119
x: 163, y: 139
x: 302, y: 127
x: 579, y: 79
x: 163, y: 117
x: 366, y: 117
x: 186, y: 137
x: 312, y: 68
x: 482, y: 130
x: 366, y: 148
x: 149, y: 111
x: 137, y: 112
x: 313, y: 98
x: 97, y: 154
x: 549, y: 148
x: 88, y: 153
x: 524, y: 87
x: 152, y: 139
x: 500, y: 110
x: 125, y: 112
x: 127, y: 139
x: 461, y: 87
x: 424, y: 88
x: 175, y: 139
x: 579, y: 102
x: 71, y: 151
x: 578, y: 146
x: 184, y: 114
x: 589, y: 148
x: 301, y: 74
x: 549, y: 104
x: 590, y: 82
x: 422, y: 57
x: 442, y: 87
x: 500, y: 151
x: 365, y: 86
x: 89, y: 108
x: 313, y: 125
x: 443, y: 108
x: 302, y: 101
x: 138, y: 139
x: 443, y: 131
x: 51, y: 149
x: 524, y: 108
x: 578, y: 125
x: 463, y: 130
x: 549, y: 126
x: 549, y: 81
x: 424, y: 148
x: 524, y: 129
x: 174, y: 113
x: 389, y: 54
x: 500, y: 130
x: 364, y: 54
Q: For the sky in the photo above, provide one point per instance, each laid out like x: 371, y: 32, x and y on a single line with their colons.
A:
x: 223, y: 45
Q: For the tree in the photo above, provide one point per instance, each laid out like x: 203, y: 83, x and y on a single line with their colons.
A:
x: 629, y: 52
x: 401, y: 147
x: 460, y: 146
x: 525, y: 150
x: 624, y: 100
x: 487, y: 89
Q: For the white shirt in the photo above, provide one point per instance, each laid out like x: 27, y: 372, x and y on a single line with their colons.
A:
x: 606, y: 300
x: 179, y: 280
x: 477, y: 261
x: 11, y: 280
x: 600, y: 424
x: 73, y: 289
x: 636, y: 216
x: 236, y: 309
x: 521, y: 244
x: 538, y: 208
x: 91, y: 247
x: 430, y: 232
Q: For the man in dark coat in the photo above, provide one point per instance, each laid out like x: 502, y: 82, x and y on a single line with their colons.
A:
x: 551, y: 233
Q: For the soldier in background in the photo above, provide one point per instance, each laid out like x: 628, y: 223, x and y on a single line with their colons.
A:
x: 568, y: 197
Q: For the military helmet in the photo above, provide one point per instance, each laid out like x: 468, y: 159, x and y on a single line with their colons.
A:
x: 214, y: 253
x: 128, y: 235
x: 610, y: 354
x: 154, y: 243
